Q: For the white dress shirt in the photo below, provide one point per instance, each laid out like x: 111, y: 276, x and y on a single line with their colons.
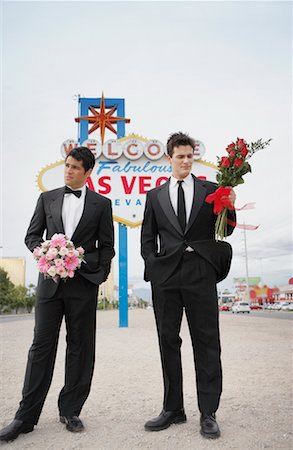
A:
x: 188, y: 188
x: 72, y: 210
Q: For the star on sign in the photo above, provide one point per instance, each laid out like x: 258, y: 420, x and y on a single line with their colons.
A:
x: 102, y: 119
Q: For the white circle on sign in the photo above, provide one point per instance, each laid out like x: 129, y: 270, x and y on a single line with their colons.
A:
x: 199, y: 150
x: 94, y: 146
x: 67, y: 146
x: 154, y: 149
x: 112, y: 149
x: 133, y: 149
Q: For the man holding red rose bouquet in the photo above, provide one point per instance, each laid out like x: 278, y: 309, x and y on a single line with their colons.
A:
x: 184, y: 262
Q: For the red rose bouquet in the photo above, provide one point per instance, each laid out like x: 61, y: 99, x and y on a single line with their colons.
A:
x: 231, y: 170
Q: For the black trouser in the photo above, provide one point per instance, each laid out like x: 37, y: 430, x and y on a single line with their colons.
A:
x: 193, y: 288
x: 76, y: 300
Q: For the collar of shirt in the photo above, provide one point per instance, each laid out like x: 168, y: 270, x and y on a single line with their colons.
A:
x: 188, y: 180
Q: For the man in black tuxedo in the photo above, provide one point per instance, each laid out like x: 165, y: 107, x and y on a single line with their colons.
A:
x: 184, y: 262
x: 85, y: 217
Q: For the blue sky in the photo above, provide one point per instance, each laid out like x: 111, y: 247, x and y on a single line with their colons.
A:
x: 217, y: 70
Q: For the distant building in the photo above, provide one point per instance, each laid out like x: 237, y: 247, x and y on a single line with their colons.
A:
x: 15, y: 267
x: 285, y: 293
x: 106, y: 289
x: 226, y: 297
x: 258, y: 292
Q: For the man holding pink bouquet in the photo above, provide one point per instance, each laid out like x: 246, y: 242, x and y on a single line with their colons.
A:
x: 73, y: 261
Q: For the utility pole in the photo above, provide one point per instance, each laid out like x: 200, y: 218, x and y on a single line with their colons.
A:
x: 262, y: 284
x: 246, y: 264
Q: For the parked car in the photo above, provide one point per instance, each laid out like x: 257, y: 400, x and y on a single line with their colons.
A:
x: 241, y: 307
x: 285, y: 306
x: 224, y: 308
x: 255, y: 306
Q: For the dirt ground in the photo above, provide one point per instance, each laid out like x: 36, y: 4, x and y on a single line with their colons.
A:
x: 255, y: 411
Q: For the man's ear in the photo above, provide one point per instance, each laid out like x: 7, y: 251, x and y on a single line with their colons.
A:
x: 88, y: 173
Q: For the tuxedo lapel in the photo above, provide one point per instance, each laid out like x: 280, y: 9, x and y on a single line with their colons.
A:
x: 199, y: 196
x: 166, y: 205
x: 56, y: 210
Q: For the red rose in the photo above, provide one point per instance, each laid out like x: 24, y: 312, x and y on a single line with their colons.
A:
x: 238, y: 162
x: 244, y: 152
x: 241, y: 144
x: 225, y: 161
x: 230, y: 147
x: 232, y: 153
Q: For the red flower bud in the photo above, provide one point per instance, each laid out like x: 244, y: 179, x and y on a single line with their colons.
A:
x: 230, y: 147
x: 225, y: 161
x: 238, y: 162
x: 241, y: 144
x: 244, y: 152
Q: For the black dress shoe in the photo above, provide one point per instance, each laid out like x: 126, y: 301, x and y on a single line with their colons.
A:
x: 209, y: 427
x: 14, y: 429
x: 165, y: 419
x: 73, y: 423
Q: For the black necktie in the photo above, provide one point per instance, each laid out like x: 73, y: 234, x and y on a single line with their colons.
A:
x: 181, y: 209
x: 70, y: 191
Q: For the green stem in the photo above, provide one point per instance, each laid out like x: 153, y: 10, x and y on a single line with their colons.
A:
x: 221, y: 225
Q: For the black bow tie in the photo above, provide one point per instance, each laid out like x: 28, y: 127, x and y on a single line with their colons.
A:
x: 70, y: 191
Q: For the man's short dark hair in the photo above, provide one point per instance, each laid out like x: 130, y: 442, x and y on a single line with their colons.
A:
x: 85, y: 155
x: 177, y: 139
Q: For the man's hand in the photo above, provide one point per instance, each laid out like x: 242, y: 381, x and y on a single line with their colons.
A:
x: 232, y: 197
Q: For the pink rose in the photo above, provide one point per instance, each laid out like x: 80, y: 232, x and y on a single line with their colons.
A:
x: 63, y: 251
x: 52, y: 271
x: 59, y: 262
x: 61, y: 271
x: 37, y: 253
x: 51, y: 253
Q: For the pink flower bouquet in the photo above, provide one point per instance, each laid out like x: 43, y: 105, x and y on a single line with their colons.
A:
x: 58, y: 258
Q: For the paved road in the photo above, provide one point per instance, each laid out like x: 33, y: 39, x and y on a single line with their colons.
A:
x: 255, y: 411
x: 287, y: 315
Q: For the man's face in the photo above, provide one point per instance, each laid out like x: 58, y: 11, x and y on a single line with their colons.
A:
x: 74, y: 174
x: 181, y: 161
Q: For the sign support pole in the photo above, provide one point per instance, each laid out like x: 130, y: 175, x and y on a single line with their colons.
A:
x: 84, y: 104
x: 123, y: 277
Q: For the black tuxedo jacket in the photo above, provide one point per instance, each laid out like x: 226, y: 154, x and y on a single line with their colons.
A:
x: 94, y: 233
x: 163, y: 242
